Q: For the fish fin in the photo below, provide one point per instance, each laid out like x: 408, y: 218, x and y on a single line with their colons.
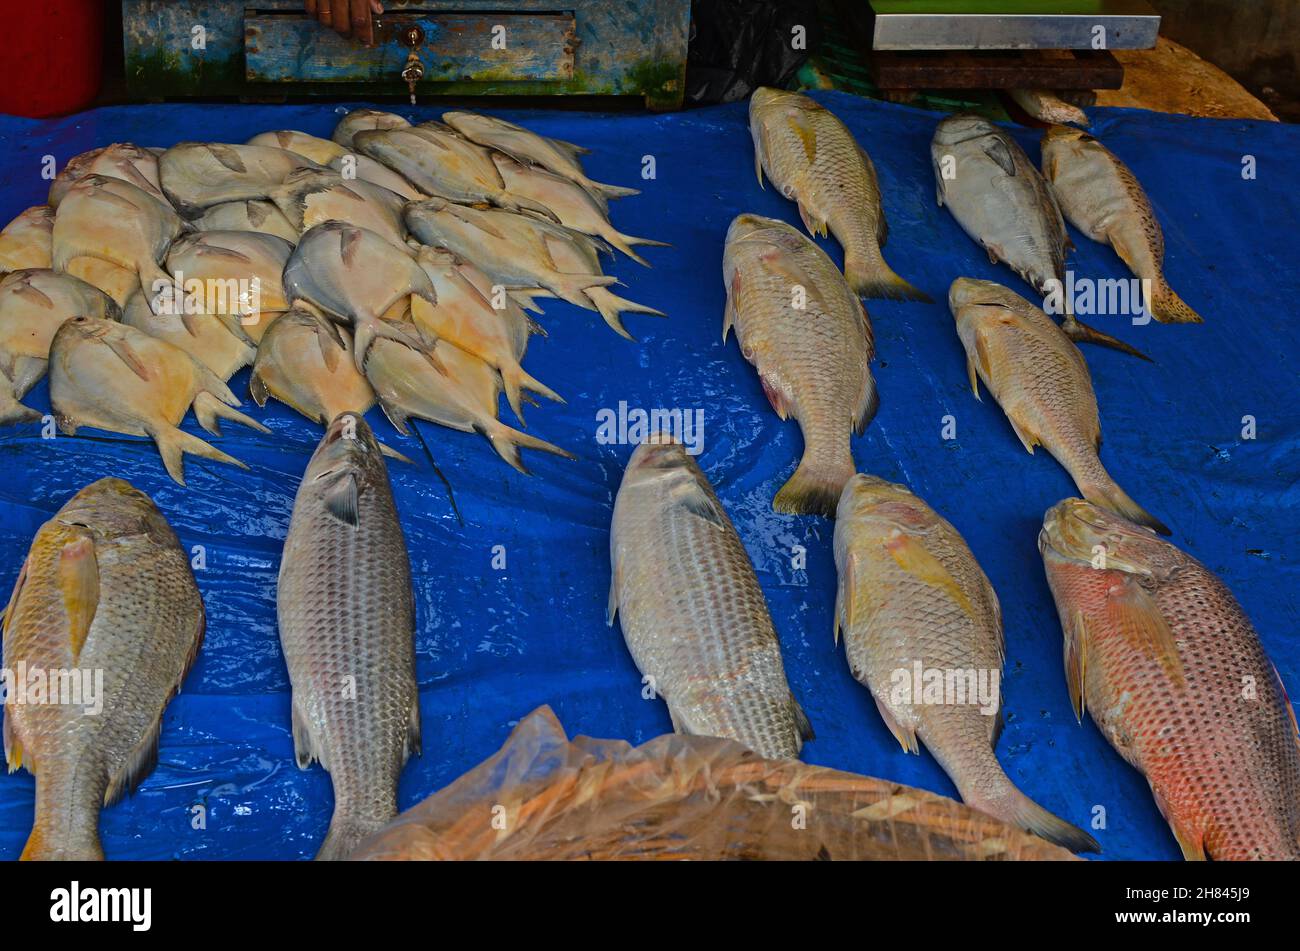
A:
x: 870, y: 276
x: 612, y: 191
x: 1016, y: 808
x: 1132, y: 612
x: 330, y: 348
x: 516, y: 379
x: 694, y: 499
x: 815, y: 487
x: 573, y: 150
x: 13, y: 595
x: 729, y: 309
x: 868, y: 405
x: 1107, y: 494
x: 758, y: 165
x: 227, y: 157
x: 207, y: 408
x: 396, y: 415
x: 611, y: 307
x: 814, y: 226
x: 304, y: 750
x: 1190, y: 841
x: 507, y: 442
x: 78, y: 574
x: 173, y: 443
x: 846, y: 596
x: 13, y: 747
x: 520, y: 204
x: 345, y: 834
x: 533, y: 326
x: 139, y: 764
x: 342, y: 500
x: 124, y: 352
x: 611, y: 604
x: 997, y: 150
x: 974, y: 377
x: 392, y: 453
x: 414, y: 736
x: 1075, y: 646
x: 257, y: 389
x: 801, y: 721
x: 1080, y: 332
x: 780, y: 400
x: 1168, y: 308
x: 913, y: 557
x: 906, y: 736
x: 1024, y: 434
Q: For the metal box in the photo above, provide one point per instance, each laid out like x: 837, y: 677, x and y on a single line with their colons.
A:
x: 1013, y: 24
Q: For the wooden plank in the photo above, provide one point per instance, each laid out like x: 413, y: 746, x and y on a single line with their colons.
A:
x: 978, y: 69
x: 457, y: 47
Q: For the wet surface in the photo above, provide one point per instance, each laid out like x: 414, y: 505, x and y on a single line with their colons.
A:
x: 492, y: 644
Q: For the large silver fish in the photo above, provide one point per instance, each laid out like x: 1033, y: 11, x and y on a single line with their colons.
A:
x: 813, y: 159
x: 806, y: 332
x: 347, y: 623
x: 359, y: 120
x: 198, y: 175
x: 692, y: 612
x: 998, y: 197
x: 106, y: 602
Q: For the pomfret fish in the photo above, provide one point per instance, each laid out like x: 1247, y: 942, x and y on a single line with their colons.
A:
x: 1000, y: 200
x: 692, y: 612
x: 110, y: 376
x: 34, y: 303
x: 1165, y: 660
x: 197, y: 175
x: 25, y: 241
x: 366, y: 169
x: 321, y: 151
x: 806, y: 332
x: 1103, y: 199
x: 912, y: 597
x: 252, y: 215
x: 106, y: 590
x: 814, y: 160
x: 1040, y: 379
x: 121, y: 160
x: 309, y: 198
x: 356, y: 275
x: 522, y: 145
x: 359, y: 120
x: 347, y: 623
x: 238, y: 276
x: 205, y: 337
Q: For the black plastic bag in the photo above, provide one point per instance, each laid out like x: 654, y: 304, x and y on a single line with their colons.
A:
x: 739, y: 45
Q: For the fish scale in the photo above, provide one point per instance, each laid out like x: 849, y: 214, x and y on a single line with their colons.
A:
x: 910, y: 591
x: 347, y: 617
x: 1224, y: 768
x: 692, y: 612
x: 814, y: 362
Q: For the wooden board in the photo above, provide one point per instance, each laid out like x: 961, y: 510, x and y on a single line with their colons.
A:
x: 457, y: 46
x: 977, y: 69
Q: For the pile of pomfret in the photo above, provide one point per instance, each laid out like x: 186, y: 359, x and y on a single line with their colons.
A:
x: 434, y: 238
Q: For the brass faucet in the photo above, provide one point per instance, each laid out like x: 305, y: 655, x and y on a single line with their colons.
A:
x: 413, y: 71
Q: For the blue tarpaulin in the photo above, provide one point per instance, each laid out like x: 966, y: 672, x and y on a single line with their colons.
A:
x: 494, y: 643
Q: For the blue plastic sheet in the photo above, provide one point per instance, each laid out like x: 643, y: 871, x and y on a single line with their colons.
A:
x: 494, y: 644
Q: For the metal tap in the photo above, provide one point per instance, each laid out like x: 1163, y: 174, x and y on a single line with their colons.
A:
x: 413, y: 71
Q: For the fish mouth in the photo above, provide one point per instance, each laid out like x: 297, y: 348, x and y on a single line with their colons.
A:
x: 963, y: 128
x: 1080, y: 531
x: 660, y: 450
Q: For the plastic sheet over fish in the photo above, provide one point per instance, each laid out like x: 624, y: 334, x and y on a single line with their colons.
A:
x: 684, y: 798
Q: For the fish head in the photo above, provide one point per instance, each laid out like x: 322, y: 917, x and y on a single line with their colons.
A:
x: 963, y: 127
x: 747, y: 224
x: 973, y: 292
x: 112, y: 508
x: 348, y: 447
x: 83, y: 328
x: 882, y: 507
x: 660, y: 450
x: 1077, y: 531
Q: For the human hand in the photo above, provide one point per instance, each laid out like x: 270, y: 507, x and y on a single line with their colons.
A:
x: 347, y: 17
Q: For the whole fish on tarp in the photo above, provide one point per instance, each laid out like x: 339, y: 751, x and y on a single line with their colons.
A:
x: 359, y: 120
x: 355, y: 276
x: 465, y: 316
x: 1046, y: 106
x: 366, y: 169
x: 309, y: 198
x: 998, y: 197
x: 205, y: 337
x: 806, y: 332
x: 1040, y: 379
x: 121, y: 160
x: 462, y: 395
x: 513, y: 250
x: 304, y: 361
x: 236, y: 276
x: 114, y: 221
x: 105, y: 598
x: 321, y: 151
x: 1165, y: 660
x: 346, y: 613
x: 524, y: 146
x: 574, y: 206
x: 34, y: 303
x: 442, y: 163
x: 692, y: 612
x: 197, y: 175
x: 256, y: 215
x: 915, y: 608
x: 25, y: 241
x: 1102, y: 197
x: 814, y: 160
x: 110, y: 376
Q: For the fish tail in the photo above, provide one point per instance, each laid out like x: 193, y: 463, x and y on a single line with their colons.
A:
x: 1080, y: 332
x: 612, y: 307
x: 870, y: 276
x: 624, y: 242
x: 611, y: 191
x: 344, y: 835
x: 507, y: 442
x: 1168, y: 308
x: 816, y: 486
x: 1110, y: 496
x: 1012, y: 806
x: 173, y: 443
x: 572, y: 287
